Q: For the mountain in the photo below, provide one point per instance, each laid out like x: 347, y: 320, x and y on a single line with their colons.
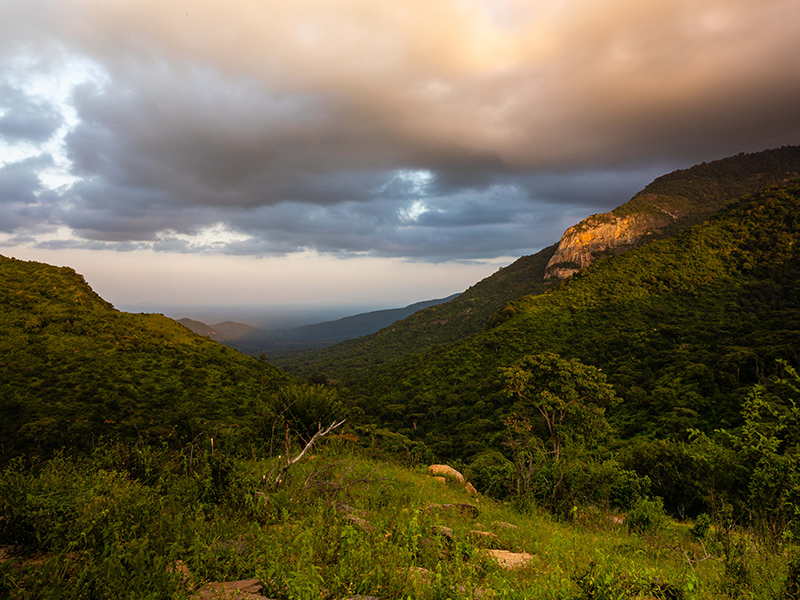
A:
x: 279, y: 343
x: 441, y: 324
x: 671, y: 203
x: 74, y: 368
x: 226, y: 331
x: 682, y: 327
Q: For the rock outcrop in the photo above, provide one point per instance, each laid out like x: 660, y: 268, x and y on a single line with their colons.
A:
x: 673, y: 201
x: 601, y: 235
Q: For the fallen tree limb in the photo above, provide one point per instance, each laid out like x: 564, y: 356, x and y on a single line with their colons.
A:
x: 320, y: 434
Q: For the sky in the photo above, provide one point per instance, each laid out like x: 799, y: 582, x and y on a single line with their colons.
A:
x: 304, y: 153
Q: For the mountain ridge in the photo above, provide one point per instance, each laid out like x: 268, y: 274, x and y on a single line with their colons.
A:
x: 283, y: 342
x: 671, y: 202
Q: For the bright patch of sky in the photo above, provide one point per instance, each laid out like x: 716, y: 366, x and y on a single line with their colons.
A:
x: 413, y: 212
x: 51, y: 83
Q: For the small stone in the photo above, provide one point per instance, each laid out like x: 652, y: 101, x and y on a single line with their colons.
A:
x: 442, y: 531
x: 510, y: 560
x: 504, y: 525
x: 245, y: 589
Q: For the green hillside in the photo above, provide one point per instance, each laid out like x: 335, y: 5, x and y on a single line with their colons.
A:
x: 74, y: 368
x: 701, y: 190
x: 689, y: 195
x: 682, y: 327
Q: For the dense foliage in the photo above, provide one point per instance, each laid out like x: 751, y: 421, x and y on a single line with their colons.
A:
x: 73, y: 368
x: 137, y: 521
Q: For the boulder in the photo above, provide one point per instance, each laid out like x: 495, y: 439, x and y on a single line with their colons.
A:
x: 470, y: 489
x: 446, y: 471
x: 245, y: 589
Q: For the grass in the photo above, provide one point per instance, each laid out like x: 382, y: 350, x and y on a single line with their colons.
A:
x: 339, y: 525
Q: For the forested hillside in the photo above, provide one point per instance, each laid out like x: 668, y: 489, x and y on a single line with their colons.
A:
x: 682, y: 327
x: 73, y: 368
x: 668, y: 205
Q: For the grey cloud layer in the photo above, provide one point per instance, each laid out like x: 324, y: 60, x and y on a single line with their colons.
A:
x: 429, y: 130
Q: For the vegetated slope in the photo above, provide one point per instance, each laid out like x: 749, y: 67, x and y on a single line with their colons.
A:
x: 682, y: 327
x: 672, y: 203
x: 441, y: 324
x: 285, y: 342
x: 72, y: 367
x: 669, y: 204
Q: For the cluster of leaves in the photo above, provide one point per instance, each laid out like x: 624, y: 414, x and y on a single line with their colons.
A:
x: 73, y: 368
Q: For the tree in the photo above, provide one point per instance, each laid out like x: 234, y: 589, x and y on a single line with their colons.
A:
x: 571, y: 397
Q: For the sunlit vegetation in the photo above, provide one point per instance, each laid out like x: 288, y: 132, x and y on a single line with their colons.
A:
x: 73, y: 368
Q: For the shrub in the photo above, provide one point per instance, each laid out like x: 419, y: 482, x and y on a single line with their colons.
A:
x: 647, y: 516
x: 492, y: 474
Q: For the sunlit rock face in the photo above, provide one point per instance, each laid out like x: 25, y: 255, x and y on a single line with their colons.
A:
x: 601, y: 235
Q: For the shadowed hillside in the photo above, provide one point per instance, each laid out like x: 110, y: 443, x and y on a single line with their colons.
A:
x: 441, y: 324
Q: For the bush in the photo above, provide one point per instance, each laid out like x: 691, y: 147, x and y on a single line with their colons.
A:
x: 647, y: 516
x: 701, y: 527
x: 492, y: 474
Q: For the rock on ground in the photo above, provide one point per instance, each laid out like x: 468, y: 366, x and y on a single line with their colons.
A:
x: 446, y: 471
x: 510, y: 560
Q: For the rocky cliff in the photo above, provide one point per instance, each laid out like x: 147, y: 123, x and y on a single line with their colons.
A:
x: 672, y: 202
x: 599, y: 236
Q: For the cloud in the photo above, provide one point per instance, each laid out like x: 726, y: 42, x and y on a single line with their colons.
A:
x: 424, y: 130
x: 24, y: 118
x: 23, y: 200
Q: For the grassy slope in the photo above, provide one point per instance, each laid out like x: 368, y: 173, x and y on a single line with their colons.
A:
x: 681, y: 326
x: 442, y: 324
x: 111, y: 528
x: 71, y: 363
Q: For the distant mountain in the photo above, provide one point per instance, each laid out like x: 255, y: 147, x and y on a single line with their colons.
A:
x: 285, y: 342
x: 441, y: 324
x: 669, y: 204
x: 73, y: 368
x: 221, y: 332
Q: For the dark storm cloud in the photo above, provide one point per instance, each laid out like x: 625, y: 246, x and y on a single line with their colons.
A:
x: 24, y: 118
x: 23, y: 200
x: 426, y: 130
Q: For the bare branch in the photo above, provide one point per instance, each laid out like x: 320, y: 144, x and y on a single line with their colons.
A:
x: 320, y: 434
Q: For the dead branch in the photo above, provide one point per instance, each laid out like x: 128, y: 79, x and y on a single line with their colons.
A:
x: 320, y: 434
